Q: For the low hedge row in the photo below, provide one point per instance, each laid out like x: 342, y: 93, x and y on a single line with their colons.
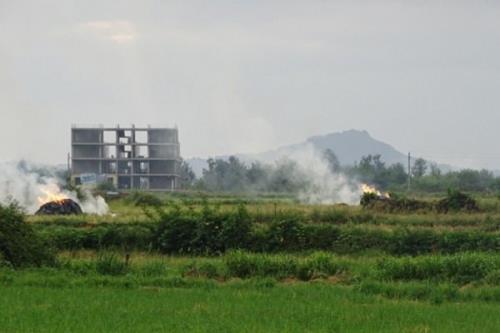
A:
x: 215, y: 235
x: 122, y: 236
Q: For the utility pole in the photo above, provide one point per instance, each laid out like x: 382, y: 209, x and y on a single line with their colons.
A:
x: 69, y: 164
x: 409, y: 171
x: 69, y: 169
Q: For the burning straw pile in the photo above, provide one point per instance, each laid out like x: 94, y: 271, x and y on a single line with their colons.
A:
x: 54, y: 202
x: 60, y: 207
x: 454, y: 202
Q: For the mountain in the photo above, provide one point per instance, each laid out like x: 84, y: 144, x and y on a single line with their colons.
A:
x: 349, y: 146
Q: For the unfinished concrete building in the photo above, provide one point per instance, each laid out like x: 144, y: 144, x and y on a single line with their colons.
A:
x: 130, y: 158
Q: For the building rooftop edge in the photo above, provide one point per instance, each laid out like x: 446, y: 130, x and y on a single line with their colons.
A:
x: 118, y: 127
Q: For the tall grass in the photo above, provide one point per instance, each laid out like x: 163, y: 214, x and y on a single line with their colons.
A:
x: 460, y: 268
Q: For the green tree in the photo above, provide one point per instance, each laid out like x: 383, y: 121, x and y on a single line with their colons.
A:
x: 419, y: 168
x: 287, y: 177
x: 187, y: 175
x: 258, y: 176
x: 396, y: 175
x: 224, y: 175
x: 371, y: 169
x: 332, y: 160
x: 435, y: 171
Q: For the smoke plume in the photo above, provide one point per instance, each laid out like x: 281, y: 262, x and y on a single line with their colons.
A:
x: 30, y: 186
x: 323, y: 185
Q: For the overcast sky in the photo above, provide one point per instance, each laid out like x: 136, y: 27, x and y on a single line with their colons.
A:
x: 247, y: 76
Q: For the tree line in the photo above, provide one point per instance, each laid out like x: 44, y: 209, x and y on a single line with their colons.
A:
x: 286, y: 176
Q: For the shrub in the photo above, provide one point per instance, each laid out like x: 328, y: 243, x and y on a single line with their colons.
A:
x: 321, y: 236
x: 457, y: 201
x: 392, y: 204
x: 176, y: 234
x: 236, y: 229
x: 337, y: 215
x: 19, y: 244
x: 368, y: 199
x: 208, y: 232
x: 413, y: 242
x: 286, y: 235
x: 493, y: 278
x: 144, y: 199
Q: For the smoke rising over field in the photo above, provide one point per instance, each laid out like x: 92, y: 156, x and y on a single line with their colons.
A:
x: 306, y: 173
x: 324, y: 186
x: 31, y: 186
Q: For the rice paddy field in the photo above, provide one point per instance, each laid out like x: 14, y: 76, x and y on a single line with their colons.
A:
x: 192, y: 263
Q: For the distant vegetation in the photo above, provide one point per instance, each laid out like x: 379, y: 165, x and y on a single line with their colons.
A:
x: 455, y: 201
x: 233, y: 175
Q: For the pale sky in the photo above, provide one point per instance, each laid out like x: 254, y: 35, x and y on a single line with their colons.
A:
x: 248, y: 76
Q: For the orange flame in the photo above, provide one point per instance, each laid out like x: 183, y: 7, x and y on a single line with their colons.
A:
x: 371, y: 189
x: 49, y: 194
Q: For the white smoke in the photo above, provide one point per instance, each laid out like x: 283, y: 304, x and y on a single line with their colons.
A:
x: 27, y: 186
x: 94, y: 205
x: 323, y: 186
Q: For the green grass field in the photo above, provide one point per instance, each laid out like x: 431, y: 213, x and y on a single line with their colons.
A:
x: 301, y: 268
x: 295, y: 308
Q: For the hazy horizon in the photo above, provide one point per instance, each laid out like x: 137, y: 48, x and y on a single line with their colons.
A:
x: 246, y: 77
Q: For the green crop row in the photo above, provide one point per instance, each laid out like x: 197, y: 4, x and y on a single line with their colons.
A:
x: 217, y: 234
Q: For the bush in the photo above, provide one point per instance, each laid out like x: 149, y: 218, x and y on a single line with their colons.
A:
x: 145, y: 199
x: 207, y: 232
x: 393, y: 204
x: 413, y: 242
x: 457, y: 201
x: 493, y: 278
x: 286, y: 235
x: 176, y: 232
x: 19, y: 244
x: 106, y: 187
x: 454, y: 202
x: 236, y: 229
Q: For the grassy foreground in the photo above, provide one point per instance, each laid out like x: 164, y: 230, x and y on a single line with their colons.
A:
x: 267, y: 265
x: 296, y: 308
